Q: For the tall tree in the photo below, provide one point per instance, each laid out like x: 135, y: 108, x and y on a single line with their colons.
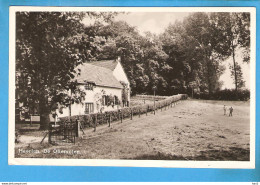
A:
x: 237, y: 76
x: 235, y: 28
x: 49, y: 45
x: 209, y: 42
x: 173, y: 44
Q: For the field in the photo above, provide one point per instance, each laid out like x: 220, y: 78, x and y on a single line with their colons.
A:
x: 192, y: 130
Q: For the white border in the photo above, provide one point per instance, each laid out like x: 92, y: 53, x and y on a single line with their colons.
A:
x: 129, y: 163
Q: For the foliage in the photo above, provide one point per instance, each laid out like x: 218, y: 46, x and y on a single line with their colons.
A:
x: 235, y: 30
x: 49, y: 45
x: 125, y: 92
x: 98, y: 99
x: 226, y: 94
x: 237, y: 75
x: 187, y: 51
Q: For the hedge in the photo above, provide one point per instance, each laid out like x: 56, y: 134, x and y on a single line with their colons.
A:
x: 89, y: 120
x: 149, y: 97
x: 226, y: 94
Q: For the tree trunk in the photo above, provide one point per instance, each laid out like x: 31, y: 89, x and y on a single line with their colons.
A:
x: 209, y: 76
x: 234, y: 63
x: 44, y: 114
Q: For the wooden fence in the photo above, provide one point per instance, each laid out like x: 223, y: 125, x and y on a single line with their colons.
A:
x: 64, y: 132
x: 93, y: 120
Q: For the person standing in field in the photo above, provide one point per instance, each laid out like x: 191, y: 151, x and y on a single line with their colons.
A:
x: 230, y: 111
x: 225, y: 109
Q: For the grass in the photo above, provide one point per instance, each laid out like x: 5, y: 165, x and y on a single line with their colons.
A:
x: 192, y: 130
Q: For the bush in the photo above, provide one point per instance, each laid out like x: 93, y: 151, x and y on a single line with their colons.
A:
x: 226, y: 94
x: 89, y: 120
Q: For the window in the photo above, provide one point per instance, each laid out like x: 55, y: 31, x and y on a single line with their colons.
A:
x: 105, y: 100
x: 116, y: 100
x: 89, y: 86
x: 89, y: 108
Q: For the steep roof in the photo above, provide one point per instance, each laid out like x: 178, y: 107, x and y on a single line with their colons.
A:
x: 109, y: 64
x: 99, y: 75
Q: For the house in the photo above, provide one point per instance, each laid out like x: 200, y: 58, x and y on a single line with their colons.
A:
x: 106, y: 86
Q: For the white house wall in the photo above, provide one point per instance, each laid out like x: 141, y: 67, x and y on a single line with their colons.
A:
x: 113, y: 92
x: 79, y: 109
x: 120, y: 75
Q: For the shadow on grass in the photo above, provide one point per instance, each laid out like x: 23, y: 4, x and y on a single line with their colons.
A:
x: 233, y: 154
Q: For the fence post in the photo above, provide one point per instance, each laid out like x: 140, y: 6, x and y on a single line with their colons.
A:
x: 109, y: 120
x: 95, y: 124
x: 77, y: 128
x: 146, y: 110
x: 30, y: 120
x: 49, y: 138
x: 121, y: 116
x: 139, y: 112
x: 131, y: 114
x: 154, y: 110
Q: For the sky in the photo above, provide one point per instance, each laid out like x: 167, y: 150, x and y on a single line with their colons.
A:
x: 150, y: 21
x: 228, y: 82
x: 156, y: 22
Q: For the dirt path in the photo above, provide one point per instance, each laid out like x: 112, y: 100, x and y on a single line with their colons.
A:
x: 192, y: 130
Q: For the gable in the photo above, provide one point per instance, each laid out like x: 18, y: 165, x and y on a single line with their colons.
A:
x: 120, y: 74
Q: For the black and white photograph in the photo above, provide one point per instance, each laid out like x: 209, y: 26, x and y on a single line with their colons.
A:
x: 152, y: 87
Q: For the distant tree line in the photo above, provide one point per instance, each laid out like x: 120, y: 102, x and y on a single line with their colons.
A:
x: 187, y: 55
x: 226, y: 94
x: 186, y: 58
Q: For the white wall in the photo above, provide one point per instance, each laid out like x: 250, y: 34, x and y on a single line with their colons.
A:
x: 120, y: 75
x: 91, y: 97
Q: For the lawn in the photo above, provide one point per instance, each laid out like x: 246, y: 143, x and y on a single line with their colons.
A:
x: 192, y: 130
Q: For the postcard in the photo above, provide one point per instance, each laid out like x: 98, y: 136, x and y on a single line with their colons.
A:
x: 131, y: 86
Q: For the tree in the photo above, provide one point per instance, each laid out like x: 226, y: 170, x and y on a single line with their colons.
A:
x: 191, y: 47
x: 235, y: 28
x: 237, y: 76
x: 154, y: 64
x: 209, y: 43
x: 49, y: 45
x: 175, y: 44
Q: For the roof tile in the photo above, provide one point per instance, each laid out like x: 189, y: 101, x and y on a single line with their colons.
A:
x: 109, y: 64
x: 101, y: 76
